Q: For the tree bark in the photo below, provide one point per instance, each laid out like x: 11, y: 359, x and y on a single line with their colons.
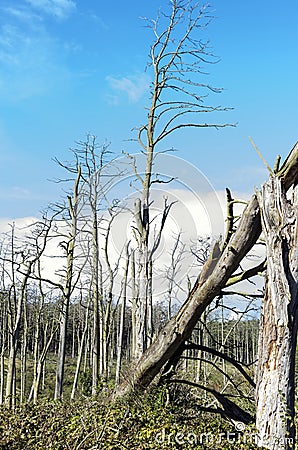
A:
x: 275, y: 392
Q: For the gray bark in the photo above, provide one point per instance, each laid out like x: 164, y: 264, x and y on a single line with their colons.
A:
x: 275, y: 392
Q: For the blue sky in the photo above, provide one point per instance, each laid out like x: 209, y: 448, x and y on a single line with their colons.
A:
x: 68, y: 67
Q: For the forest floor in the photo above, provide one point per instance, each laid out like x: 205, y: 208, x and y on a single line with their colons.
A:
x: 172, y: 416
x: 159, y: 419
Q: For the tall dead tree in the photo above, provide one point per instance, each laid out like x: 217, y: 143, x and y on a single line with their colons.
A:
x: 98, y: 173
x: 275, y: 394
x: 81, y: 348
x: 122, y: 319
x: 177, y: 99
x: 69, y: 280
x: 92, y: 159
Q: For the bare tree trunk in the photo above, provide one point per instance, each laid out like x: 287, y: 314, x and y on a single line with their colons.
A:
x: 86, y: 352
x: 36, y: 349
x: 39, y: 361
x: 4, y: 342
x: 24, y: 356
x: 150, y: 326
x: 121, y: 324
x: 96, y: 288
x: 62, y: 348
x: 68, y: 288
x: 96, y: 318
x: 133, y: 306
x: 10, y: 375
x: 80, y: 354
x: 141, y: 307
x: 16, y: 327
x: 275, y: 392
x: 2, y: 372
x: 74, y: 332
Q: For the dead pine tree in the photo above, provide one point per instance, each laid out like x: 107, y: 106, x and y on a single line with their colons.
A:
x: 178, y: 96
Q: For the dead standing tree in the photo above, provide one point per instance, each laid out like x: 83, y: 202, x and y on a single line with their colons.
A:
x: 19, y: 263
x: 177, y: 98
x: 69, y: 278
x: 279, y: 323
x: 275, y: 394
x: 94, y: 159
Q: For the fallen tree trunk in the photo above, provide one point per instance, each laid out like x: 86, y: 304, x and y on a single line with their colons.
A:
x: 215, y: 275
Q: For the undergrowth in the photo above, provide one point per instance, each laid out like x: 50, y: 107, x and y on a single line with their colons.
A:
x: 147, y: 421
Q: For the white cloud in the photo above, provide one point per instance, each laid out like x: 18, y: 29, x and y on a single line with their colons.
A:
x: 21, y: 223
x: 60, y: 9
x: 135, y: 86
x: 193, y: 214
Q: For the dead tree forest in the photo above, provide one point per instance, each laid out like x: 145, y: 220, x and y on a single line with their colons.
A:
x: 93, y: 300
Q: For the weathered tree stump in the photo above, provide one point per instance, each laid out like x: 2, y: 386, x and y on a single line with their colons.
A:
x: 278, y: 326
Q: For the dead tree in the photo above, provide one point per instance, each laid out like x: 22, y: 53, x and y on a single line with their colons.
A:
x: 45, y: 327
x: 69, y: 280
x: 98, y: 172
x: 279, y: 326
x: 19, y: 265
x: 81, y: 348
x: 275, y: 394
x: 177, y: 100
x: 93, y: 159
x: 215, y: 274
x: 122, y: 318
